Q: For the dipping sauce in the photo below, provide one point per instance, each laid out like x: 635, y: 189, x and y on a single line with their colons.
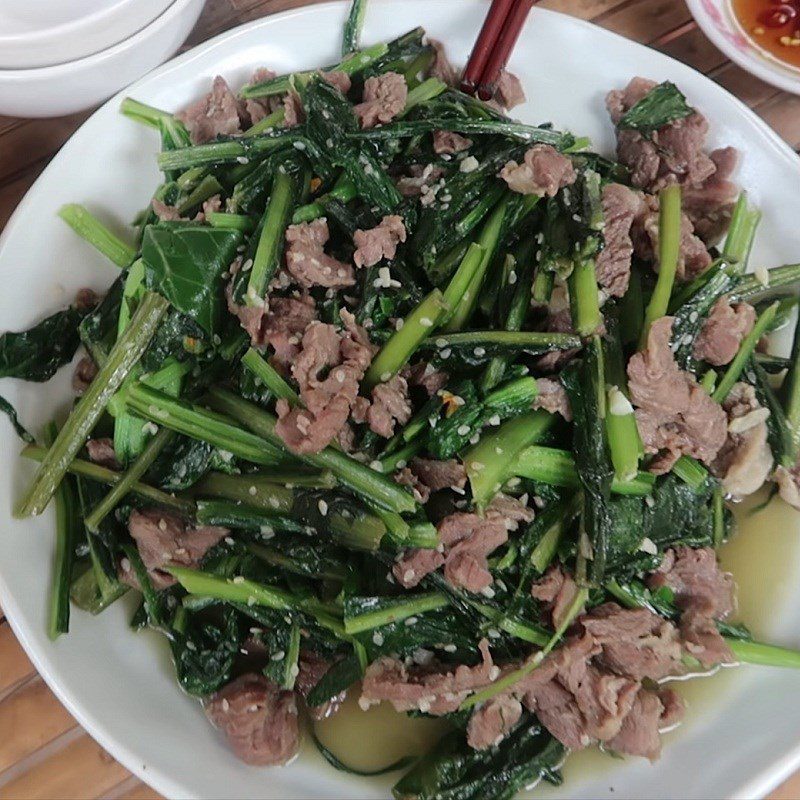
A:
x: 773, y: 26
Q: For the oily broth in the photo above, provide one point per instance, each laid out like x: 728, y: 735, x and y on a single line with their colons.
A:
x: 762, y: 557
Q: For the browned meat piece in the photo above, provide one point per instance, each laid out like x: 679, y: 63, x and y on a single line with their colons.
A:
x: 415, y: 564
x: 509, y: 510
x: 639, y: 734
x: 390, y: 404
x: 694, y: 257
x: 86, y: 299
x: 261, y: 107
x: 449, y: 142
x: 258, y: 719
x: 635, y: 642
x: 621, y: 206
x: 384, y: 98
x: 380, y: 242
x: 293, y: 111
x: 429, y: 689
x: 101, y: 451
x: 699, y: 584
x: 338, y: 79
x: 557, y: 589
x: 438, y: 475
x: 85, y: 372
x: 745, y: 461
x: 164, y: 212
x: 342, y: 358
x: 441, y: 67
x: 489, y: 725
x: 674, y: 709
x: 509, y: 92
x: 675, y: 416
x: 552, y: 397
x: 543, y: 172
x: 313, y: 668
x: 217, y: 114
x: 307, y: 261
x: 788, y: 480
x: 163, y: 538
x: 723, y: 331
x: 618, y: 101
x: 432, y: 380
x: 709, y: 206
x: 703, y: 640
x: 284, y: 325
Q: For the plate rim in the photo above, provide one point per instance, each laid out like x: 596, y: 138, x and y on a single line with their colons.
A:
x: 771, y: 774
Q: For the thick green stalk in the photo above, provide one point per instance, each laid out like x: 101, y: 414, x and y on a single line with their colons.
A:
x: 344, y: 191
x: 691, y: 472
x: 270, y: 244
x: 401, y: 609
x: 233, y: 222
x: 127, y: 480
x: 127, y: 351
x: 351, y: 65
x: 89, y: 228
x: 64, y: 554
x: 746, y: 349
x: 260, y: 492
x: 426, y: 91
x: 669, y: 250
x: 269, y: 376
x: 224, y: 152
x: 399, y: 458
x: 417, y: 326
x: 353, y: 26
x: 583, y: 297
x: 792, y: 390
x: 461, y: 280
x: 141, y: 112
x: 204, y: 190
x: 94, y: 472
x: 741, y: 234
x: 270, y: 121
x: 358, y: 477
x: 488, y: 462
x: 197, y: 422
x: 534, y: 340
x: 768, y: 655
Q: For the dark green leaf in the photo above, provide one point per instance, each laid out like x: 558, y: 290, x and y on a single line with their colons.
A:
x: 11, y: 413
x: 661, y: 105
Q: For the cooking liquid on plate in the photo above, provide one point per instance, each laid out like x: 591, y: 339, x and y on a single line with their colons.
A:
x: 774, y: 26
x: 762, y: 556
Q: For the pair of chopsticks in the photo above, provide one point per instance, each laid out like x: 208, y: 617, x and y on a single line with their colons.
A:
x: 495, y: 42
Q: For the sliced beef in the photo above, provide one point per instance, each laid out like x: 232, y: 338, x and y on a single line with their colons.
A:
x: 639, y: 733
x: 745, y: 461
x: 293, y: 112
x: 509, y: 510
x: 441, y: 67
x: 438, y: 475
x: 697, y: 581
x: 338, y: 79
x: 164, y: 212
x: 313, y: 668
x: 621, y: 206
x: 328, y: 371
x: 544, y: 171
x: 491, y: 722
x: 380, y: 242
x: 702, y: 639
x: 390, y: 405
x: 694, y: 258
x: 710, y: 205
x: 509, y: 92
x: 425, y: 375
x: 432, y: 689
x: 260, y: 107
x: 258, y: 719
x: 218, y: 113
x: 675, y: 416
x: 553, y: 397
x: 101, y: 451
x: 163, y: 538
x: 788, y: 480
x: 307, y: 261
x: 284, y: 325
x: 723, y: 331
x: 415, y: 564
x: 449, y: 142
x: 557, y: 589
x: 384, y: 98
x: 85, y: 372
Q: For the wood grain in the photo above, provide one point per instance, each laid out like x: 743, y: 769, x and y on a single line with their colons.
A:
x: 43, y: 754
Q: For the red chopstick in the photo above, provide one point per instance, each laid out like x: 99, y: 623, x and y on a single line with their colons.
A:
x: 501, y: 51
x: 492, y: 26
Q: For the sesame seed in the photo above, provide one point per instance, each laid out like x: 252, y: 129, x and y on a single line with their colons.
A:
x: 426, y: 322
x: 238, y: 579
x: 279, y: 656
x: 449, y: 648
x: 411, y: 621
x: 479, y: 351
x: 162, y: 524
x: 323, y: 507
x: 463, y: 430
x: 252, y: 491
x: 377, y: 638
x: 225, y: 705
x: 229, y: 540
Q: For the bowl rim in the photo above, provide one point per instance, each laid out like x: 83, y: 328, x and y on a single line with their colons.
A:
x: 755, y: 60
x: 20, y: 76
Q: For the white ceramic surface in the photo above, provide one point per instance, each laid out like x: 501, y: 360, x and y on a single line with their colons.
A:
x: 120, y: 685
x: 719, y: 23
x: 76, y: 85
x: 47, y: 32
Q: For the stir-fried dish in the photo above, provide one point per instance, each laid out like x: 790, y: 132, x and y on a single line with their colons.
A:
x: 395, y: 396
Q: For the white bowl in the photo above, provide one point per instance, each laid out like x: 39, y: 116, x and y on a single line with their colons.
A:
x: 719, y: 23
x: 76, y: 85
x: 49, y: 32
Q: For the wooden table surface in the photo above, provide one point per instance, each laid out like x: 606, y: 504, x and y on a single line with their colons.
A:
x: 43, y: 752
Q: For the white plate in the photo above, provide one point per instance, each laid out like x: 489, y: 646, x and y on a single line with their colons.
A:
x: 47, y: 32
x: 76, y: 85
x: 119, y: 685
x: 720, y: 24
